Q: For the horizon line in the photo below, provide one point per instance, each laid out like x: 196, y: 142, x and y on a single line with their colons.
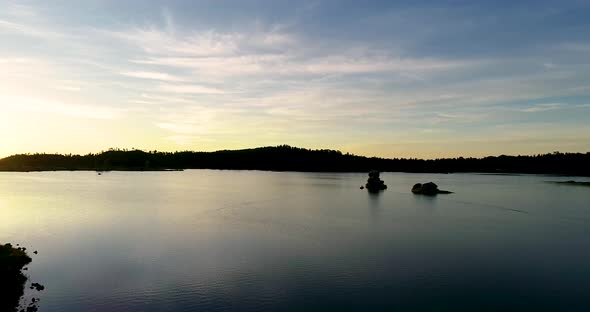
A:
x: 281, y: 145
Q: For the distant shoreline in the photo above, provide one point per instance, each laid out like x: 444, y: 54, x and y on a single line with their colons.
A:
x: 287, y: 158
x: 302, y: 171
x: 576, y: 183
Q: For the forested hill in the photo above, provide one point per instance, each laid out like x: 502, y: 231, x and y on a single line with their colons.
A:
x: 287, y: 158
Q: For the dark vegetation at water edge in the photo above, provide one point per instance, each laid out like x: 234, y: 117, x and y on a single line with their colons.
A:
x: 12, y: 280
x: 13, y: 260
x: 287, y: 158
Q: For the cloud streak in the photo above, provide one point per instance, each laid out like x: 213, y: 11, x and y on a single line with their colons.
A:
x: 189, y: 89
x: 153, y: 76
x: 542, y: 108
x: 211, y: 53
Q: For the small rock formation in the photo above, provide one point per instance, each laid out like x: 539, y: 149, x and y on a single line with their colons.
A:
x: 374, y: 184
x: 427, y: 189
x: 37, y: 286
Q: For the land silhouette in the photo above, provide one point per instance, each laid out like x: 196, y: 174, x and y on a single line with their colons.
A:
x: 288, y: 158
x: 13, y: 261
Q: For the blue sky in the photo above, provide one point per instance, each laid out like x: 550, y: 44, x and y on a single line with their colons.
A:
x: 387, y: 78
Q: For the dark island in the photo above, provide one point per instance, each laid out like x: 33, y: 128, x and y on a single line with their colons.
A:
x: 287, y: 158
x: 429, y: 189
x: 374, y: 183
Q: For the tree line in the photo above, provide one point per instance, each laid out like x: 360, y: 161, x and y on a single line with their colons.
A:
x: 288, y: 158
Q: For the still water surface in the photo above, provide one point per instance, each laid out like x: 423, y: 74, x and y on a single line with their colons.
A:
x: 205, y: 240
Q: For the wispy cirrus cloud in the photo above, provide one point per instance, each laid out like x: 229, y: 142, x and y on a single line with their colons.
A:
x: 542, y: 107
x: 286, y: 65
x: 10, y: 26
x: 68, y: 88
x: 153, y: 76
x: 155, y: 41
x: 189, y: 89
x: 266, y: 51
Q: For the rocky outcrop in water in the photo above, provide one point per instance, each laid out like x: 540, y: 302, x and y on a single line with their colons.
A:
x: 374, y: 183
x: 13, y: 261
x: 428, y: 189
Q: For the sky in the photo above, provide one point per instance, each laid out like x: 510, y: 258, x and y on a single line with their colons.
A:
x: 422, y: 79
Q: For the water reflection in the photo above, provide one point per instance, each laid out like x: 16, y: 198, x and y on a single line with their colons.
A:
x: 426, y: 204
x: 375, y: 204
x: 207, y: 240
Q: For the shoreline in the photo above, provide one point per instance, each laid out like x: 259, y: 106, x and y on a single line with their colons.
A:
x: 307, y: 171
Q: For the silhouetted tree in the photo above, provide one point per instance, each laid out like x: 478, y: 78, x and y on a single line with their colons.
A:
x: 288, y: 158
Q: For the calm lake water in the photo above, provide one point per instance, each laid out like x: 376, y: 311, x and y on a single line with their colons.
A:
x: 205, y: 240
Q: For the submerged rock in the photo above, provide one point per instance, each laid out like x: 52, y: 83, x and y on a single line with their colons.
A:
x: 429, y: 188
x: 374, y: 183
